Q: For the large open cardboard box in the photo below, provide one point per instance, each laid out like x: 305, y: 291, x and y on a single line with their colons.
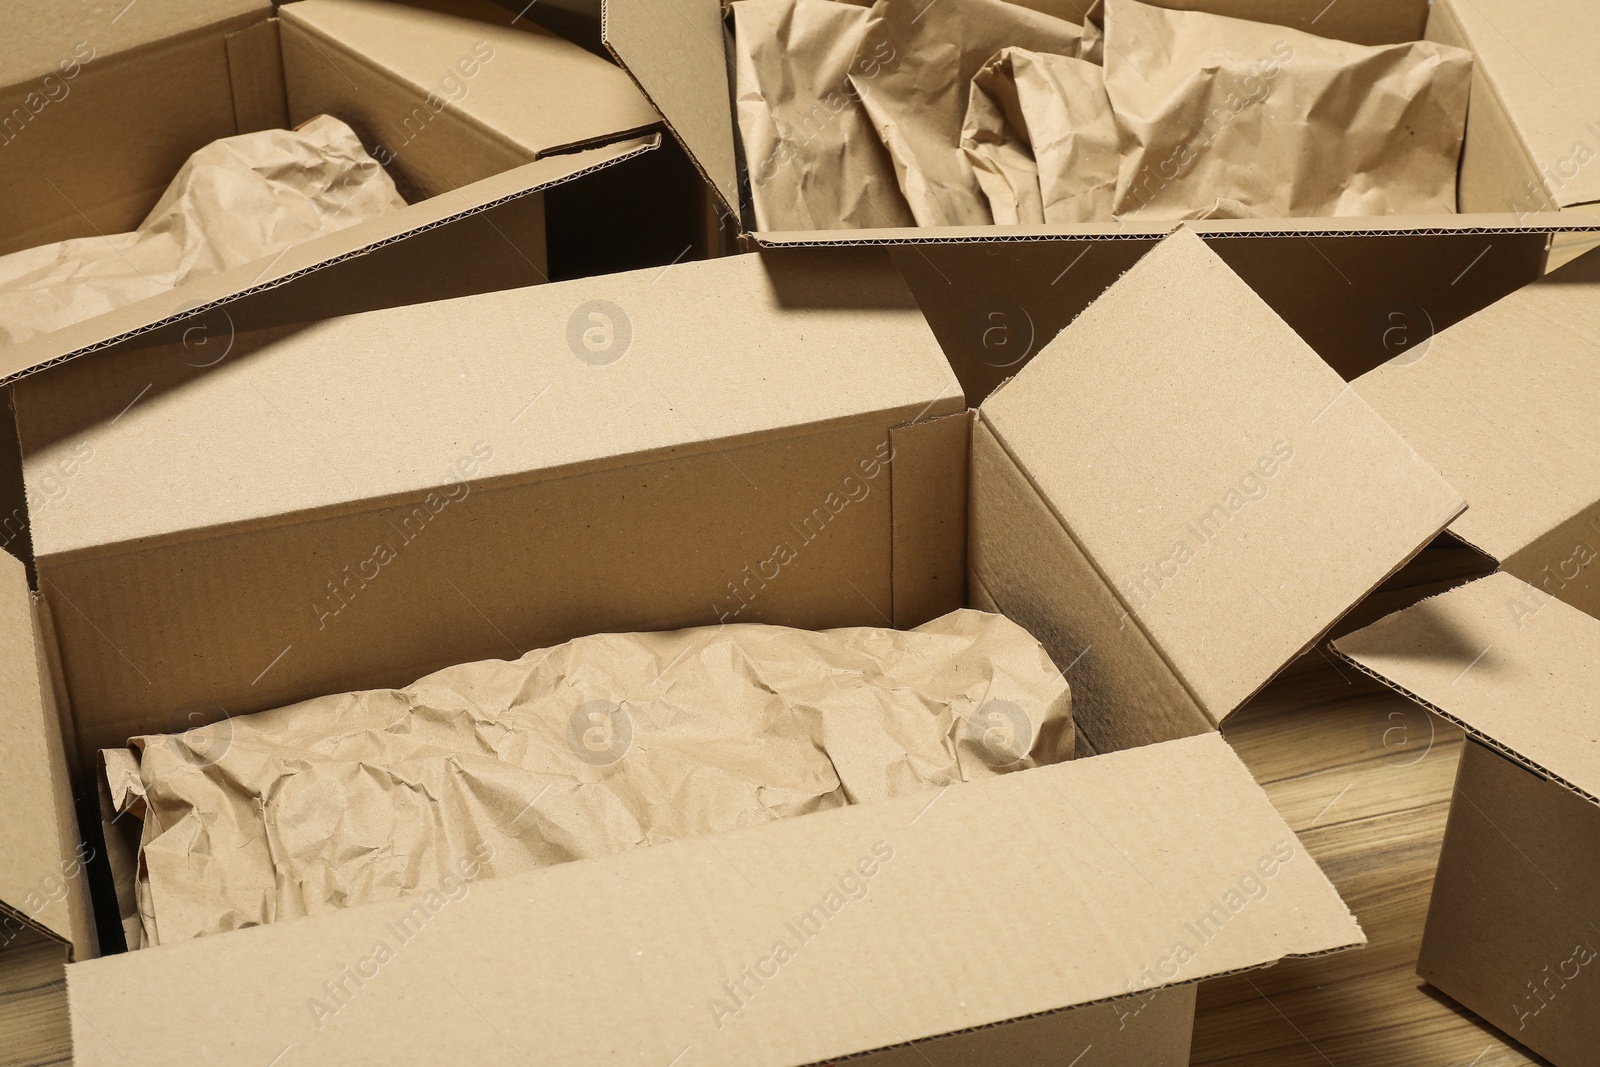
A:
x: 470, y: 114
x: 1506, y: 405
x: 1357, y: 289
x: 771, y: 438
x: 1511, y: 929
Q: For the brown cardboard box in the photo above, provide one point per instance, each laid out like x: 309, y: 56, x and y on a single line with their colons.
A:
x: 1507, y: 406
x: 1511, y: 929
x: 1533, y: 135
x: 767, y: 438
x: 996, y: 295
x: 469, y: 114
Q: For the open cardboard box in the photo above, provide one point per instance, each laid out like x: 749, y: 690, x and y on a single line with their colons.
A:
x: 1357, y: 289
x: 468, y: 113
x: 1511, y: 930
x: 768, y: 438
x: 1534, y: 137
x: 1506, y: 405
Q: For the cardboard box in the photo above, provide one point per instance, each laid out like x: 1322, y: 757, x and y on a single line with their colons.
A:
x: 1533, y: 134
x: 469, y: 114
x: 1507, y: 406
x: 997, y: 295
x: 1511, y: 927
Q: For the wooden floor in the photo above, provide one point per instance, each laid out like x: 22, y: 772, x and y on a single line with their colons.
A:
x: 1362, y: 776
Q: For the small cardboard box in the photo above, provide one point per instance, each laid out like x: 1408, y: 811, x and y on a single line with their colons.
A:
x: 1511, y: 931
x: 995, y: 295
x: 1506, y: 405
x: 1533, y: 134
x: 466, y: 111
x: 771, y: 438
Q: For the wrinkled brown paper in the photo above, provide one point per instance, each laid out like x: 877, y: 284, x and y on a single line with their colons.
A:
x: 235, y: 200
x: 810, y: 150
x: 599, y: 745
x: 1041, y: 138
x: 919, y: 99
x: 1222, y: 116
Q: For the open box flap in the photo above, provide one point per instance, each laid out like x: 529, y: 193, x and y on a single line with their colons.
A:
x: 531, y: 90
x: 1517, y: 669
x: 930, y: 914
x: 36, y: 36
x: 192, y: 300
x: 1539, y: 59
x: 677, y: 54
x: 41, y: 882
x: 801, y: 323
x: 1235, y: 494
x: 1505, y: 405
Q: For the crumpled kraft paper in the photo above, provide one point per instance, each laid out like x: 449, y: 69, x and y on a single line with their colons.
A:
x: 602, y: 744
x: 1041, y: 138
x: 1223, y: 116
x: 236, y: 200
x: 813, y: 158
x: 918, y: 102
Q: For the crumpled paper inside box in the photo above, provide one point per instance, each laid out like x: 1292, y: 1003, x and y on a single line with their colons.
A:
x: 993, y: 112
x: 236, y: 200
x: 602, y: 744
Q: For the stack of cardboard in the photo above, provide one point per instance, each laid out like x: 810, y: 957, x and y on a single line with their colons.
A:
x: 372, y: 458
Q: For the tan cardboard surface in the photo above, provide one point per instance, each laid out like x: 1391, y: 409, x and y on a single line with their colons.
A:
x: 40, y: 869
x: 1506, y: 404
x: 1165, y: 846
x: 1539, y: 60
x: 35, y: 35
x: 1234, y: 492
x: 1518, y: 669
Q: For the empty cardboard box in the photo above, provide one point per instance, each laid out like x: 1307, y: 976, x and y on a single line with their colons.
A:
x: 467, y: 112
x: 1511, y: 930
x: 996, y: 294
x: 1506, y: 405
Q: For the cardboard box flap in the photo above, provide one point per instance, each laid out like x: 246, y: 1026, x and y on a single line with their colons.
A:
x: 1504, y: 405
x: 1236, y: 495
x: 191, y: 302
x: 1517, y: 669
x: 531, y: 89
x: 37, y: 36
x: 677, y: 54
x: 1540, y: 60
x: 40, y: 874
x: 588, y: 372
x: 800, y: 941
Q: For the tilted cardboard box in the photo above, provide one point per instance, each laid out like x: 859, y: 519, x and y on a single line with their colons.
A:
x: 1511, y: 928
x: 1533, y: 134
x: 1357, y: 289
x: 761, y: 438
x: 1507, y: 406
x: 468, y: 113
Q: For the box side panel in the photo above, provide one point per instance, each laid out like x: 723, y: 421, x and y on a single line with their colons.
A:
x: 1510, y: 931
x: 255, y: 68
x: 1361, y: 21
x: 784, y: 531
x: 929, y: 473
x: 1133, y: 1032
x: 1123, y: 693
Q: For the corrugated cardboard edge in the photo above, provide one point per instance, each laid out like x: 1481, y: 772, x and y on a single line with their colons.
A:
x: 928, y: 507
x: 255, y: 68
x: 1444, y: 713
x: 42, y: 874
x: 695, y: 100
x: 195, y: 298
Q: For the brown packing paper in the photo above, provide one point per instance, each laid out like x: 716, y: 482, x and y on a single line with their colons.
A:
x: 1041, y: 139
x: 236, y: 200
x: 812, y: 155
x: 588, y: 748
x: 918, y: 100
x: 1226, y: 117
